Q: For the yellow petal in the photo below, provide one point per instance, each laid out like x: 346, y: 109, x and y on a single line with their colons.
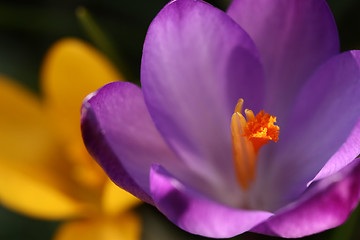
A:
x: 23, y: 124
x: 116, y: 200
x: 35, y: 197
x: 71, y: 70
x: 124, y: 227
x: 29, y: 172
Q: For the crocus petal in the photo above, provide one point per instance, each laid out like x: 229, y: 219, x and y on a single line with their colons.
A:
x: 71, y: 70
x: 343, y: 156
x: 25, y: 132
x: 293, y: 37
x: 30, y: 180
x: 116, y: 200
x: 120, y: 134
x: 196, y: 64
x: 36, y: 194
x: 126, y: 226
x: 196, y: 213
x: 326, y: 111
x: 327, y: 204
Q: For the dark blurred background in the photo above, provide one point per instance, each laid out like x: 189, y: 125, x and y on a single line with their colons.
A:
x: 29, y: 28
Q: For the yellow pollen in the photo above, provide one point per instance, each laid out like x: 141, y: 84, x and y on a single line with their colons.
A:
x: 248, y: 136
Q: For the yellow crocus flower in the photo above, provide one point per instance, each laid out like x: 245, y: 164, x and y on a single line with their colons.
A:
x: 45, y: 171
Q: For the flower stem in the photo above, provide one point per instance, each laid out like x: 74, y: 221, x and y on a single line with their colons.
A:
x: 102, y: 41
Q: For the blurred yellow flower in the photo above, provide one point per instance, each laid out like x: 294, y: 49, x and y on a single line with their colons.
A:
x: 45, y: 171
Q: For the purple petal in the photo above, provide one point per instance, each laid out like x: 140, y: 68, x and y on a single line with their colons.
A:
x: 120, y: 134
x: 196, y: 213
x: 327, y: 204
x: 343, y: 156
x: 326, y: 112
x: 294, y: 37
x: 196, y: 64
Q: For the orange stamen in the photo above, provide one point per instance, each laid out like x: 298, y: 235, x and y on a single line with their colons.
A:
x: 248, y: 136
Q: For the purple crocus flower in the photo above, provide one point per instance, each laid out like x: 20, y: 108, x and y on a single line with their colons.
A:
x: 183, y: 142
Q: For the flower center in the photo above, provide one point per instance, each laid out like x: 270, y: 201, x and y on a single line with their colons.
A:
x: 248, y: 136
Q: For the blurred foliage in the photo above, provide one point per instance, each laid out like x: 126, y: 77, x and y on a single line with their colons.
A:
x: 17, y: 227
x: 29, y: 28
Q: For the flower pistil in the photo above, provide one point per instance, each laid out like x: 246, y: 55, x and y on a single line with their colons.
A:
x: 248, y: 136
